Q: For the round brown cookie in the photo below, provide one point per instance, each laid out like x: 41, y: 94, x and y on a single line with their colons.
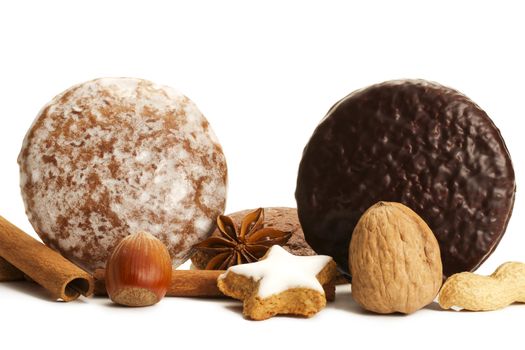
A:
x: 116, y: 156
x: 418, y: 143
x: 280, y: 218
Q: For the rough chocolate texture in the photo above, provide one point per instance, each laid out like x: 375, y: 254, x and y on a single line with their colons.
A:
x: 418, y: 143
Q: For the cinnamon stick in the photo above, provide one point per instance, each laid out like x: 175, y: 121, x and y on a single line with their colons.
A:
x: 8, y: 272
x: 193, y: 283
x: 184, y: 283
x: 59, y: 276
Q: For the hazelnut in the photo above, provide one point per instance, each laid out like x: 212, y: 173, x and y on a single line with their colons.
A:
x: 138, y: 272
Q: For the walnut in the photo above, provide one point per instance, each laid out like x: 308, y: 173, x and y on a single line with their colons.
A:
x: 394, y: 260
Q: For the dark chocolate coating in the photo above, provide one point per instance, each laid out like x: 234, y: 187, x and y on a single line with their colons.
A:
x: 414, y: 142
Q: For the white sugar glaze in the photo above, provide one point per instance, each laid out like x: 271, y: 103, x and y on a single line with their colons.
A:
x: 280, y: 271
x: 114, y: 156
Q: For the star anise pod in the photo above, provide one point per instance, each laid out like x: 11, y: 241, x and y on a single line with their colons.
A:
x: 244, y: 244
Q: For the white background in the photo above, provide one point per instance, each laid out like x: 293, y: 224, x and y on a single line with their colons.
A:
x: 264, y: 75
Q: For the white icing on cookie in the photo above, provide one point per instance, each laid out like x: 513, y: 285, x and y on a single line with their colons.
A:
x: 114, y: 156
x: 280, y: 271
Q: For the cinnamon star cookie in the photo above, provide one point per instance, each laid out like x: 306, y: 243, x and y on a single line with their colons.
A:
x: 280, y: 283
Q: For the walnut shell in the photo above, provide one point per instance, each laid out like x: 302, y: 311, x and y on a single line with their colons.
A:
x: 394, y: 260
